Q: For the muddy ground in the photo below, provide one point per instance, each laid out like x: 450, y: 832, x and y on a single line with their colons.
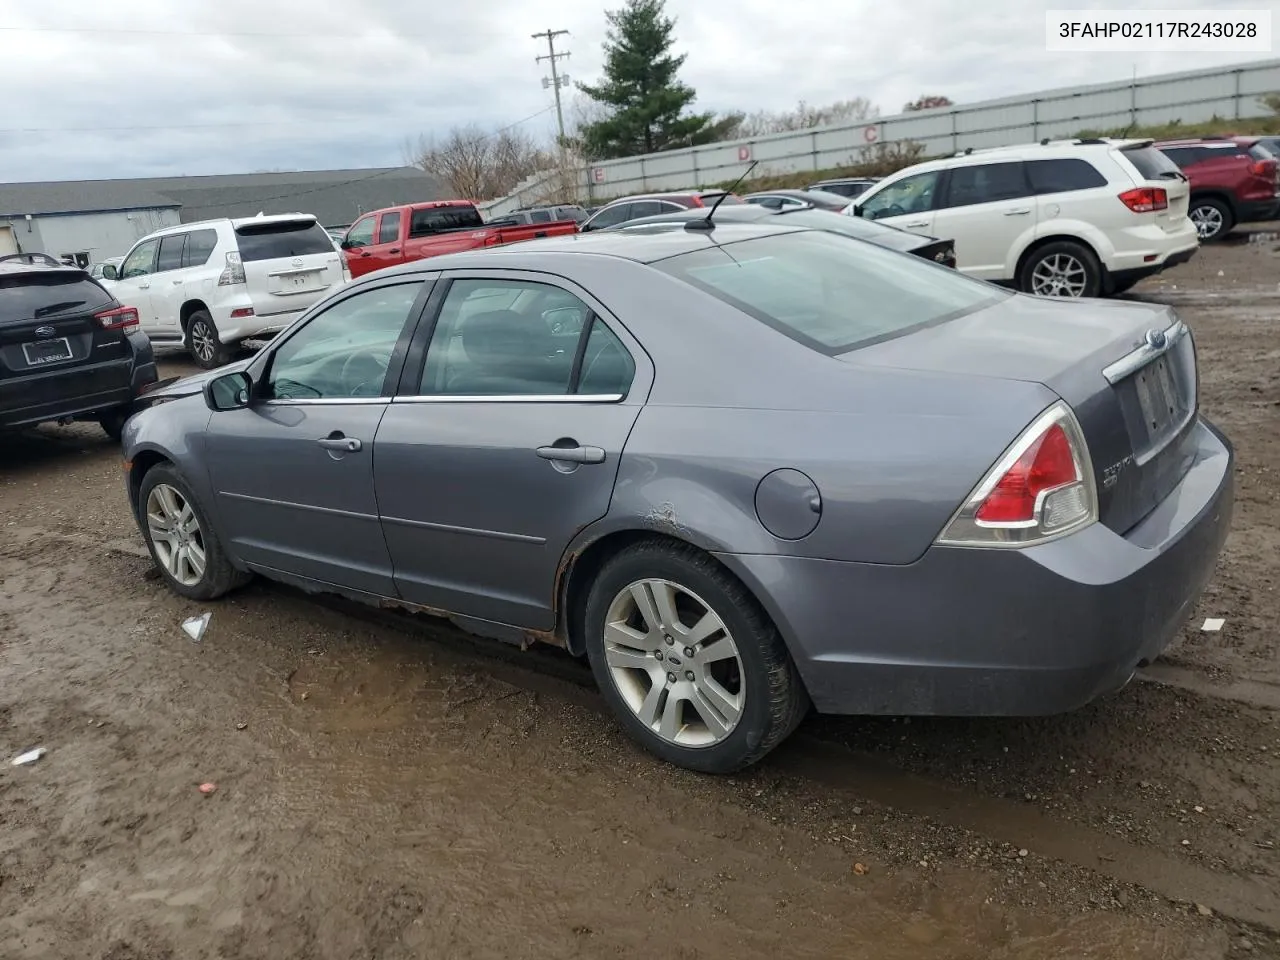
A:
x: 387, y: 788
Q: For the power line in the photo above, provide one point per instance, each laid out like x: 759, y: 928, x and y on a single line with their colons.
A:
x: 238, y: 123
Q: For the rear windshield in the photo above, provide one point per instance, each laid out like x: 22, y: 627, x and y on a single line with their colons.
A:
x: 435, y: 219
x: 281, y: 240
x: 1259, y: 151
x: 35, y: 295
x: 830, y: 292
x: 1150, y: 163
x: 709, y: 198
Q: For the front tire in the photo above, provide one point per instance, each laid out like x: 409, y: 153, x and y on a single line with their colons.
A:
x: 691, y: 665
x: 1212, y: 218
x: 203, y: 344
x: 183, y: 543
x: 1064, y: 269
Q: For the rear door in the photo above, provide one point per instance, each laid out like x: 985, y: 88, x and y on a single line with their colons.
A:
x: 51, y: 345
x: 504, y: 443
x: 289, y: 263
x: 988, y: 210
x: 167, y: 286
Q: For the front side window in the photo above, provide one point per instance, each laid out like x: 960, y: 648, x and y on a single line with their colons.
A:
x: 346, y: 351
x: 609, y: 217
x: 986, y: 183
x: 506, y: 338
x: 361, y: 233
x: 141, y: 261
x: 910, y: 195
x: 829, y: 292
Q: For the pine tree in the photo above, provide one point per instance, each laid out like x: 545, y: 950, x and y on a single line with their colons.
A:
x: 644, y: 99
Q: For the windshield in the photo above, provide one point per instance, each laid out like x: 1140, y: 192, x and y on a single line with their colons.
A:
x: 830, y: 292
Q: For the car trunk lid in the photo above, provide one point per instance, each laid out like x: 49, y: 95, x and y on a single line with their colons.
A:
x: 1128, y: 370
x: 47, y: 321
x: 1152, y: 169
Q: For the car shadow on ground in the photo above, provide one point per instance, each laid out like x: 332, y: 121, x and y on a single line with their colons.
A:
x: 40, y: 448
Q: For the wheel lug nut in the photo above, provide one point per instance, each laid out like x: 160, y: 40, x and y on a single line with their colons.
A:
x: 671, y: 678
x: 688, y: 651
x: 688, y: 674
x: 670, y: 640
x: 658, y: 654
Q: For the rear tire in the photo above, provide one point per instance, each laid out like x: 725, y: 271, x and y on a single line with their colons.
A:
x: 692, y: 666
x: 113, y: 423
x: 1063, y: 268
x: 1212, y: 218
x: 182, y: 542
x: 202, y: 342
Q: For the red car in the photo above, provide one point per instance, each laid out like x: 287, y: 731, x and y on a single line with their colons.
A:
x: 415, y: 231
x: 1233, y: 180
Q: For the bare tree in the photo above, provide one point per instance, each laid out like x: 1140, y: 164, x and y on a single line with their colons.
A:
x: 805, y: 117
x: 1271, y: 101
x: 928, y: 102
x: 480, y: 165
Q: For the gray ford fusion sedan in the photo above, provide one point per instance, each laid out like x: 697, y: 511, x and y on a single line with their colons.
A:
x: 742, y: 470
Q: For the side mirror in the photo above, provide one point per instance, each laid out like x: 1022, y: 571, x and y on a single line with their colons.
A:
x: 231, y: 391
x: 109, y: 272
x: 345, y: 244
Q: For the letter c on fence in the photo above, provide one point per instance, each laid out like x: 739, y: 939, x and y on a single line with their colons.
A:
x: 870, y: 134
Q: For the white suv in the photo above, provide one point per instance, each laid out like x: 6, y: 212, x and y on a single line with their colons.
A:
x: 1067, y: 218
x: 212, y: 284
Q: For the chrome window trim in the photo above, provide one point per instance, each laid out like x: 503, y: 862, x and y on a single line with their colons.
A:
x: 513, y: 398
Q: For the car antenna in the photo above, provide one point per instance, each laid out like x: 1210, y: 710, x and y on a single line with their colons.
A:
x: 704, y: 223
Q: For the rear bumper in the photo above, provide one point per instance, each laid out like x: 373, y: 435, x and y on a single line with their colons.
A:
x: 991, y: 632
x: 1256, y: 211
x: 78, y: 392
x: 1134, y: 274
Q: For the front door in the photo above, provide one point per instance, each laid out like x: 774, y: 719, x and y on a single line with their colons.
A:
x: 293, y: 472
x: 989, y: 211
x: 504, y: 445
x: 358, y: 246
x: 906, y: 204
x: 133, y: 284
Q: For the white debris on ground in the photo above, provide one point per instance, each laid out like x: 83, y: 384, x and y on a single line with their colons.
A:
x: 194, y: 627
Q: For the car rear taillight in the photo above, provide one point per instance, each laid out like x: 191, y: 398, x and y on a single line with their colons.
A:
x: 1145, y: 199
x: 697, y: 202
x: 233, y: 272
x: 1263, y: 168
x: 1041, y: 488
x: 121, y: 318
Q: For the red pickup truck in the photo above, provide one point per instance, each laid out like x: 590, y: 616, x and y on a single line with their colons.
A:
x: 415, y: 231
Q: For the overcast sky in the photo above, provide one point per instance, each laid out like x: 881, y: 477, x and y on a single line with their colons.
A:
x: 165, y: 87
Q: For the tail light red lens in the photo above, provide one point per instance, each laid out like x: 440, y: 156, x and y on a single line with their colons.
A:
x: 1045, y: 465
x: 1041, y: 488
x: 697, y: 202
x: 121, y: 318
x: 1145, y: 199
x: 1263, y: 168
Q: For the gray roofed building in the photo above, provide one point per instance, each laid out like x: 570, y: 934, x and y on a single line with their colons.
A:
x: 93, y: 219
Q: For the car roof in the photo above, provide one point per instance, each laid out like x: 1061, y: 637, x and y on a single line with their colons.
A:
x: 1225, y: 142
x: 638, y: 246
x: 666, y: 196
x: 10, y: 268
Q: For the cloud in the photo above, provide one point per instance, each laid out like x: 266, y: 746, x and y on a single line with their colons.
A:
x: 154, y: 87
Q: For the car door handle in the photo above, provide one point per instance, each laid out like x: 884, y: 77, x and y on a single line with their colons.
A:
x: 1017, y: 213
x: 394, y: 250
x: 177, y: 283
x: 144, y: 286
x: 345, y: 444
x: 577, y: 454
x: 921, y: 223
x: 366, y: 254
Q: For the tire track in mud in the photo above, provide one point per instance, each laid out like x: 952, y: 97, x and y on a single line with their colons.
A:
x: 816, y: 761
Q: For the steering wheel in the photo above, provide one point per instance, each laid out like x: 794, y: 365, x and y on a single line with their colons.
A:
x: 893, y: 210
x: 365, y: 367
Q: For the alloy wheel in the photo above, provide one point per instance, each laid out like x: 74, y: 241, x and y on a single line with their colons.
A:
x: 1208, y: 221
x: 1059, y: 275
x: 674, y: 663
x: 203, y: 341
x: 176, y: 535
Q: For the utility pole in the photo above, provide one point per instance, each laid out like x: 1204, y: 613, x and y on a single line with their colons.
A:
x: 556, y: 81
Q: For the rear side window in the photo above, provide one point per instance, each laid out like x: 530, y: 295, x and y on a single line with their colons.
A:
x: 1152, y: 164
x: 281, y: 240
x: 644, y: 208
x: 1063, y: 175
x: 389, y: 228
x: 829, y: 292
x: 986, y: 183
x: 171, y: 247
x: 435, y: 219
x: 729, y: 199
x: 200, y: 244
x: 35, y: 295
x: 539, y: 216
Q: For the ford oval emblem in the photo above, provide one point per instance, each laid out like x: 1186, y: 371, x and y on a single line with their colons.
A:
x: 1156, y: 339
x: 297, y: 261
x: 45, y: 332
